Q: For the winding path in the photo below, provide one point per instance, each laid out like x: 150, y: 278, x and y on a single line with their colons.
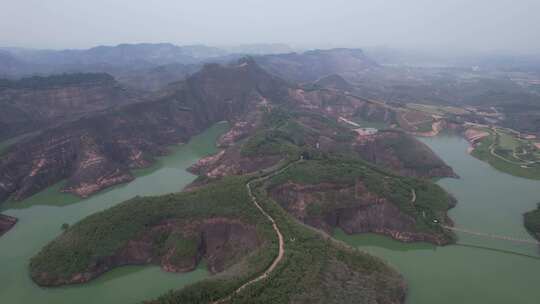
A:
x: 523, y: 164
x: 281, y: 250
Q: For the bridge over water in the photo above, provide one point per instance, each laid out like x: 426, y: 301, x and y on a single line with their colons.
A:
x: 492, y: 236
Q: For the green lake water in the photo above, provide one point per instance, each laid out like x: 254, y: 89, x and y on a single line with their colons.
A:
x: 41, y: 216
x: 476, y: 270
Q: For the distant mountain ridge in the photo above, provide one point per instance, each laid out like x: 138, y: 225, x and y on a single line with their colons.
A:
x: 142, y: 53
x: 312, y: 65
x: 99, y: 149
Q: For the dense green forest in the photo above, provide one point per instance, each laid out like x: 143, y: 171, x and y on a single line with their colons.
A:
x: 103, y: 234
x: 315, y: 269
x: 431, y: 203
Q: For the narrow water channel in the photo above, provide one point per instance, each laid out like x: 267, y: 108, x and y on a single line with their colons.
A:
x: 476, y: 270
x: 41, y: 216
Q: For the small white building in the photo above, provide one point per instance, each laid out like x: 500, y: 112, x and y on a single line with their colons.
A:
x: 366, y: 131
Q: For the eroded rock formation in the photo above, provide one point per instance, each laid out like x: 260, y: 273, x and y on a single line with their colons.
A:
x: 32, y: 104
x: 352, y: 208
x: 6, y: 223
x: 98, y: 151
x: 175, y: 245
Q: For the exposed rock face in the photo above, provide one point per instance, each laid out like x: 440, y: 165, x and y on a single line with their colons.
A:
x: 39, y: 102
x: 403, y: 154
x: 6, y: 223
x: 356, y: 210
x: 218, y: 240
x: 98, y: 151
x: 95, y: 152
x: 394, y: 150
x: 232, y: 162
x: 312, y: 65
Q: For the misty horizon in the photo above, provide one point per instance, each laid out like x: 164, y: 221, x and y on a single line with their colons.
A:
x: 459, y: 26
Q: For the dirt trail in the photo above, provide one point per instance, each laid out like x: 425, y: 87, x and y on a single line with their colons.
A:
x: 281, y: 251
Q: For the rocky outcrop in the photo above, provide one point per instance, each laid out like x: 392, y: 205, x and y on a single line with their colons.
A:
x: 175, y: 245
x: 352, y: 208
x: 6, y: 223
x: 99, y: 150
x: 232, y: 162
x: 95, y: 152
x: 35, y: 103
x: 394, y: 150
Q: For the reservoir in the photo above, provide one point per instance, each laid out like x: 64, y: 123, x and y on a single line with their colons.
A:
x: 42, y: 215
x: 476, y: 270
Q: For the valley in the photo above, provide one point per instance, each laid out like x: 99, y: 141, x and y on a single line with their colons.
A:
x: 42, y: 215
x: 269, y: 152
x: 236, y: 181
x: 475, y: 269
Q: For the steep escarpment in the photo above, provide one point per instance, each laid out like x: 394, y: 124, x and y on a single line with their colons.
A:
x: 340, y: 188
x: 6, y: 223
x: 358, y: 198
x: 392, y: 149
x: 35, y: 103
x: 282, y: 134
x: 314, y: 268
x: 219, y: 223
x: 175, y: 245
x: 175, y: 231
x: 99, y: 150
x: 94, y: 152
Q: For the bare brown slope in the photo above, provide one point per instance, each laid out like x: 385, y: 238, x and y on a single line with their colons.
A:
x: 98, y: 151
x: 6, y: 223
x: 35, y: 103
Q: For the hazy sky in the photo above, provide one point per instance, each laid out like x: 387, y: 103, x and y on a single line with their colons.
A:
x: 439, y: 24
